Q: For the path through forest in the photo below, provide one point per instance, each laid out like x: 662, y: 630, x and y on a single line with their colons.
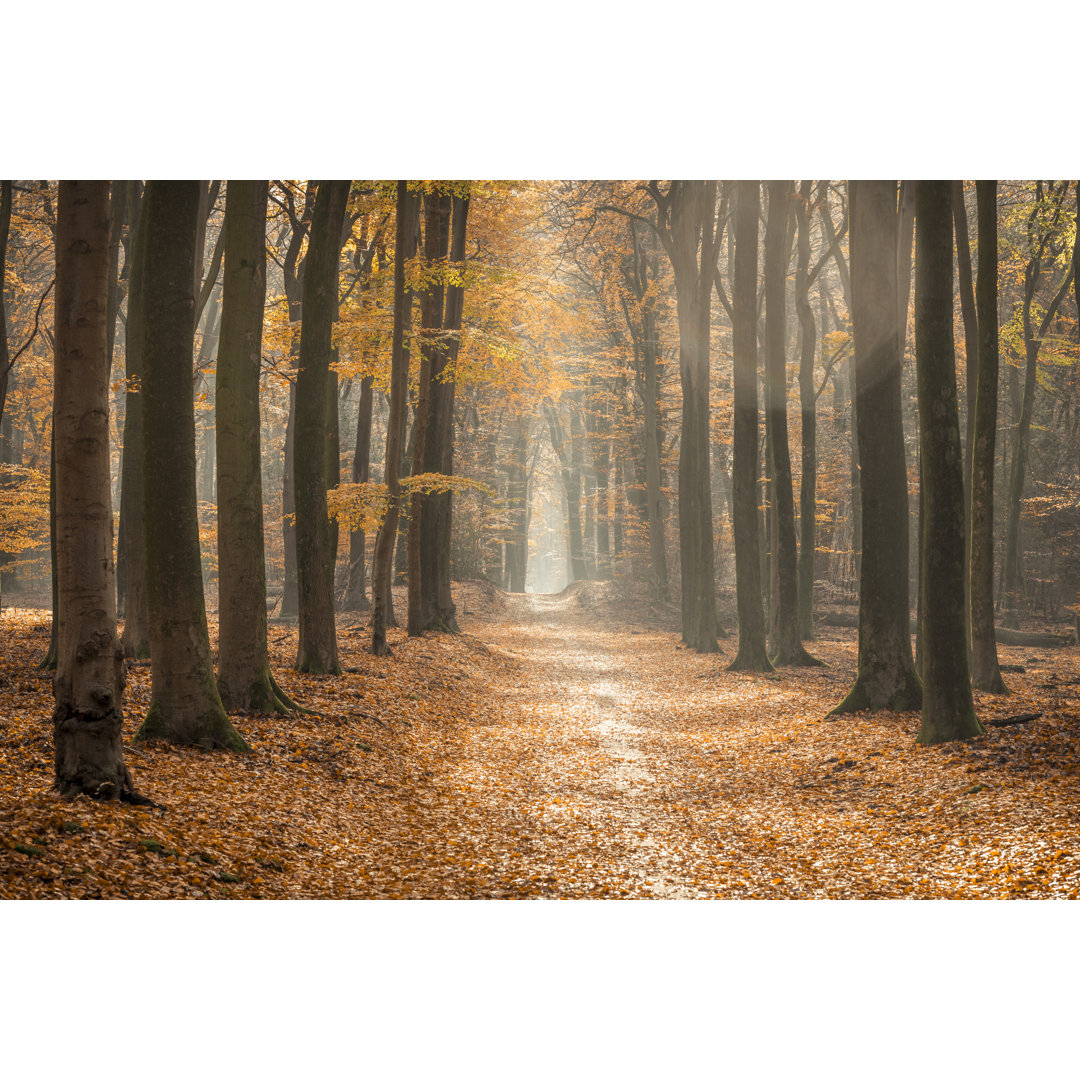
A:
x: 619, y: 765
x: 562, y: 746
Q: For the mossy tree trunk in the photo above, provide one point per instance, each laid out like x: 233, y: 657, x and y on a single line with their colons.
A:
x: 185, y: 706
x: 752, y: 654
x: 89, y: 681
x: 788, y: 646
x: 985, y: 671
x: 948, y: 711
x: 317, y: 652
x: 382, y: 569
x: 244, y: 679
x: 886, y: 676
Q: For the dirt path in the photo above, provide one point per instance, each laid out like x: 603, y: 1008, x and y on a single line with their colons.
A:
x: 617, y: 765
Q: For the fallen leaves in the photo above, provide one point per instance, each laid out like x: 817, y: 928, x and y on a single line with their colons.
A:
x: 551, y: 753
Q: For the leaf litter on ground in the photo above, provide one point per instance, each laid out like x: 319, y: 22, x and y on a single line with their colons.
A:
x: 563, y: 746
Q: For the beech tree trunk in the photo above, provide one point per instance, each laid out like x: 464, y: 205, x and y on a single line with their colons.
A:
x: 948, y: 711
x: 517, y: 545
x: 185, y: 706
x: 294, y: 295
x: 985, y: 672
x: 317, y: 653
x: 439, y: 610
x: 89, y: 681
x: 808, y: 410
x: 436, y: 247
x: 136, y: 636
x: 886, y: 676
x: 788, y: 645
x: 688, y: 232
x: 244, y: 680
x: 355, y: 593
x: 395, y: 425
x: 752, y: 654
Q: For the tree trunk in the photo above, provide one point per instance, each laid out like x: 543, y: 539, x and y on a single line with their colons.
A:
x: 808, y: 410
x: 317, y: 653
x: 985, y: 672
x: 886, y: 676
x: 136, y: 636
x: 948, y: 711
x: 689, y: 236
x: 355, y: 594
x: 185, y: 706
x: 439, y: 610
x: 89, y: 681
x: 244, y: 679
x: 436, y: 247
x: 789, y: 649
x: 517, y: 546
x: 399, y: 374
x: 752, y: 654
x: 650, y: 351
x: 294, y: 295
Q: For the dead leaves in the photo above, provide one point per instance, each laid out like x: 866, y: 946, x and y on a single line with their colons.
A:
x: 554, y: 754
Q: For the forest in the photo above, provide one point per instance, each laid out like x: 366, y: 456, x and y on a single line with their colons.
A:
x: 506, y: 539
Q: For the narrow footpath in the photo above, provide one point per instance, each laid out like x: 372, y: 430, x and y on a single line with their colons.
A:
x: 617, y: 764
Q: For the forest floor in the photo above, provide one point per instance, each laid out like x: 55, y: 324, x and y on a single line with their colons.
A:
x: 562, y: 746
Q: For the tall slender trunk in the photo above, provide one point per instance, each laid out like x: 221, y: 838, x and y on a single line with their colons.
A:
x: 948, y: 711
x: 89, y: 682
x: 244, y: 680
x: 886, y: 676
x: 788, y: 645
x: 517, y: 546
x: 436, y: 246
x: 399, y: 373
x: 317, y: 652
x: 136, y: 636
x: 185, y: 706
x: 294, y: 297
x: 985, y: 671
x: 435, y: 557
x: 752, y: 654
x: 355, y: 594
x: 808, y: 411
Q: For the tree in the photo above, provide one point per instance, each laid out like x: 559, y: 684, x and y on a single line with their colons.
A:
x: 89, y: 682
x: 136, y: 637
x: 436, y: 246
x: 985, y: 672
x: 886, y: 676
x: 788, y: 647
x: 244, y: 679
x: 1044, y: 227
x: 399, y: 374
x: 687, y: 229
x: 314, y: 560
x: 185, y: 706
x: 752, y: 654
x: 948, y: 711
x: 293, y: 276
x: 438, y: 606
